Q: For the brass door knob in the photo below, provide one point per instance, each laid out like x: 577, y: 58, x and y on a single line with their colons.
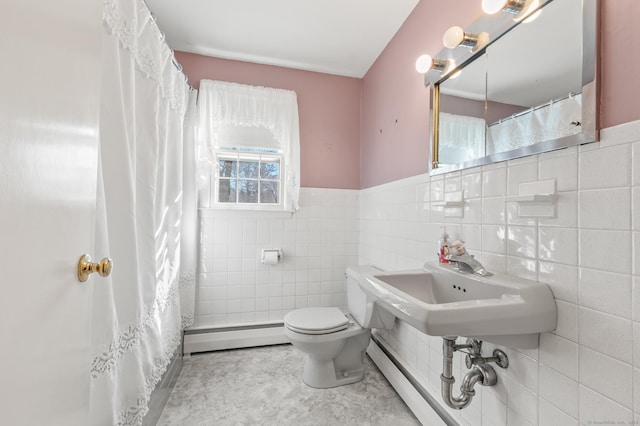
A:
x: 86, y: 267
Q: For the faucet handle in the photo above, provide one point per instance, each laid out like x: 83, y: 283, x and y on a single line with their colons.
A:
x: 470, y: 361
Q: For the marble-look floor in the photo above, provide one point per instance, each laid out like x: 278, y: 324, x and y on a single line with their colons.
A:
x: 263, y: 386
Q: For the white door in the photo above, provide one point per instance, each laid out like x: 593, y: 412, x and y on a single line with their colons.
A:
x: 49, y: 108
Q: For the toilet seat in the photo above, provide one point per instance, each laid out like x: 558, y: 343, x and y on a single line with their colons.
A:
x: 316, y: 320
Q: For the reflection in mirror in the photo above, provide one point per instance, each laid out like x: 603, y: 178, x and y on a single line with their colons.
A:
x: 461, y: 118
x: 538, y: 84
x: 531, y: 90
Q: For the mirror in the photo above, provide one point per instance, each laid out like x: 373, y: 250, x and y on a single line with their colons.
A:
x: 462, y: 113
x: 531, y: 89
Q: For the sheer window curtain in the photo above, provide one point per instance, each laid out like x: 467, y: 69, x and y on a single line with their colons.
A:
x: 230, y: 104
x: 136, y: 323
x: 461, y: 138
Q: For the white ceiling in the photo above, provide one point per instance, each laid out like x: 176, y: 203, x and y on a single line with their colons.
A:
x: 342, y: 37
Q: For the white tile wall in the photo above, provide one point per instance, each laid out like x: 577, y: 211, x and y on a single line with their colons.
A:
x: 318, y: 242
x: 587, y: 370
x: 561, y: 390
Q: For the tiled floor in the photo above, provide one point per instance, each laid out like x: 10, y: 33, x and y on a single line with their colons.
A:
x: 263, y: 386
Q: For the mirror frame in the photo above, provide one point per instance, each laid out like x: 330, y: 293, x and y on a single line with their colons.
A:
x: 498, y: 26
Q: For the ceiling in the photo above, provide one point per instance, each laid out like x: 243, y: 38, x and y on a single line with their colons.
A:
x: 342, y: 37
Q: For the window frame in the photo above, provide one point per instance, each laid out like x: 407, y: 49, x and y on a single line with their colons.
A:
x: 239, y: 154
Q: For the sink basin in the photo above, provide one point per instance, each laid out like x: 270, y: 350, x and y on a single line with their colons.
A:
x: 441, y: 301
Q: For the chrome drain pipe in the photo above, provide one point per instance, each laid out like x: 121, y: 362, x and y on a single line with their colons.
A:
x: 480, y: 373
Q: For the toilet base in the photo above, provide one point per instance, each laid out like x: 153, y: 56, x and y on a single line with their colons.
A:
x: 322, y: 374
x: 346, y: 368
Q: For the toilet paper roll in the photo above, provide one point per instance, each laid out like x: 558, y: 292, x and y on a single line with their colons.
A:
x: 270, y: 257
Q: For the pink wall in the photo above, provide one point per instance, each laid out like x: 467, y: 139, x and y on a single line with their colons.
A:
x: 620, y: 62
x: 393, y: 90
x: 328, y: 106
x: 395, y: 104
x: 361, y: 133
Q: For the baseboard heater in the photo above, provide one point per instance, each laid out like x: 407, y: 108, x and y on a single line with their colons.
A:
x: 220, y: 338
x: 424, y: 406
x: 421, y: 402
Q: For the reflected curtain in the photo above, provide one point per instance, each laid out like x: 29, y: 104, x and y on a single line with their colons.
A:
x: 461, y: 138
x: 553, y: 121
x: 136, y: 323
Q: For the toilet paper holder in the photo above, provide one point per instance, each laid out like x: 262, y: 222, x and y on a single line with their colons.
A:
x: 271, y: 256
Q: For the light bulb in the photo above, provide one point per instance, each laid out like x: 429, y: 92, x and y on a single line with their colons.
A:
x: 491, y: 7
x: 423, y: 63
x: 453, y: 37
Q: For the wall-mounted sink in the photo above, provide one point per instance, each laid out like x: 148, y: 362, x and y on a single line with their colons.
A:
x: 441, y: 301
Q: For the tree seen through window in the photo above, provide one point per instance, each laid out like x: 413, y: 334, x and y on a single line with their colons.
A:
x: 248, y: 178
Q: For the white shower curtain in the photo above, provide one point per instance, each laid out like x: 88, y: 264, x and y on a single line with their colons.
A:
x: 136, y: 323
x: 552, y: 121
x: 189, y: 246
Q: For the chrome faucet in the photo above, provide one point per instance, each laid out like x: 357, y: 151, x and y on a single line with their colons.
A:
x: 467, y: 262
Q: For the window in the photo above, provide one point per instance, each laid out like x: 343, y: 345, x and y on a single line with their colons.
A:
x: 253, y: 138
x: 248, y: 178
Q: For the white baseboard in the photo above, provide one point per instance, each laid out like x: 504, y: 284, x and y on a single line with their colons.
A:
x: 416, y: 403
x: 160, y: 395
x: 214, y: 340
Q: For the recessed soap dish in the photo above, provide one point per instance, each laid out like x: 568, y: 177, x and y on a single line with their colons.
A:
x: 536, y: 199
x: 453, y: 204
x: 533, y: 198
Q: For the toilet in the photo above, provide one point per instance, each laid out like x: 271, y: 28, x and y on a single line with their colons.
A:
x: 335, y: 342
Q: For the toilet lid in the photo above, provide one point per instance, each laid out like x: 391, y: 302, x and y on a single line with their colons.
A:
x: 316, y: 320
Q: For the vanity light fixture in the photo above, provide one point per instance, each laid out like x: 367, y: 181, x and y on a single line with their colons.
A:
x: 455, y: 36
x: 521, y: 9
x: 425, y: 63
x: 456, y: 74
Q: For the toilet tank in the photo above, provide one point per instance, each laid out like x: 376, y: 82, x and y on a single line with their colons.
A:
x: 361, y: 306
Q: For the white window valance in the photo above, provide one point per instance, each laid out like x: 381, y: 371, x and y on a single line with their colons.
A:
x: 242, y: 116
